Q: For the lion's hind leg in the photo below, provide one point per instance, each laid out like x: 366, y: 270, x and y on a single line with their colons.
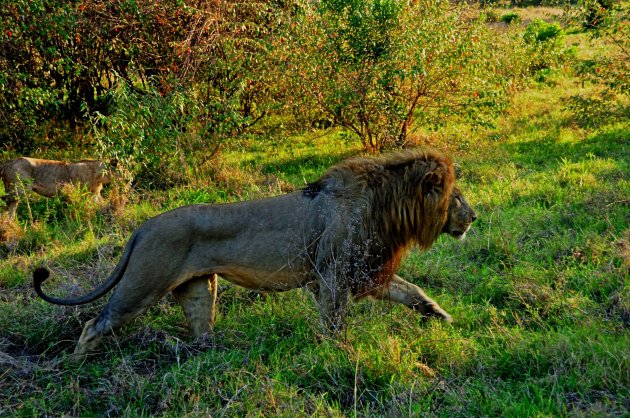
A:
x: 197, y: 298
x: 93, y: 333
x: 119, y: 311
x: 401, y: 291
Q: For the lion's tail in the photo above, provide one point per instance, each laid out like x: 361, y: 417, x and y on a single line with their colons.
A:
x: 41, y: 274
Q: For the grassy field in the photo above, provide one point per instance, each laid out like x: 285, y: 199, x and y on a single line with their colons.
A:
x: 540, y: 293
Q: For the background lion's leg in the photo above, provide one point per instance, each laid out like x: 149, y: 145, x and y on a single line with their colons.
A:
x: 13, y: 195
x: 11, y: 202
x: 333, y: 304
x: 95, y: 189
x: 401, y: 291
x: 197, y: 298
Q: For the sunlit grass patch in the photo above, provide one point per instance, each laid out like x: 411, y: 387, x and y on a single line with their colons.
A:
x: 296, y: 160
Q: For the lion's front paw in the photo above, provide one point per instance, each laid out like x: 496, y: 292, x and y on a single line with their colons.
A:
x: 445, y: 317
x: 434, y: 311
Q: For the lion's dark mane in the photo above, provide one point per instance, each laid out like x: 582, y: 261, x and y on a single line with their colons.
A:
x: 379, y: 207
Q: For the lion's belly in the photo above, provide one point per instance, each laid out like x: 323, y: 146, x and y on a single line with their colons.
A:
x: 280, y: 280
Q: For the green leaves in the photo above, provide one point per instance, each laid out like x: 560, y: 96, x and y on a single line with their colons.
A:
x: 150, y: 136
x: 540, y: 31
x: 383, y: 68
x: 609, y: 72
x: 69, y: 54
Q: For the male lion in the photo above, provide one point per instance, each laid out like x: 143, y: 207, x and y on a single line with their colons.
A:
x: 343, y: 235
x: 47, y: 177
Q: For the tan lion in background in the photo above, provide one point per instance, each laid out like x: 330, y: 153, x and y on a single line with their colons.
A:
x: 48, y: 177
x: 341, y: 236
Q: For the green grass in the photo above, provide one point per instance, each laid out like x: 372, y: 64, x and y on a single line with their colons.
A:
x: 540, y: 293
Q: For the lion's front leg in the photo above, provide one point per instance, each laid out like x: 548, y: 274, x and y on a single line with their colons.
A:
x: 333, y: 303
x: 401, y: 291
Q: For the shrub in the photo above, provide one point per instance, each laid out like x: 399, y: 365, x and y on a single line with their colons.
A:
x: 379, y: 68
x: 541, y: 32
x: 151, y: 137
x: 595, y: 13
x: 545, y: 44
x: 58, y: 59
x: 511, y: 17
x: 608, y: 72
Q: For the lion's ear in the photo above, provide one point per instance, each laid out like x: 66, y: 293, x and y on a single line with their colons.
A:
x: 432, y: 182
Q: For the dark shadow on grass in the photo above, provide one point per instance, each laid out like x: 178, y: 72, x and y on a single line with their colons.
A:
x: 547, y: 152
x: 297, y: 166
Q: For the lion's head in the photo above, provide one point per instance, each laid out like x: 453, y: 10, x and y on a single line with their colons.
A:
x: 410, y: 197
x: 407, y: 197
x: 460, y: 216
x: 382, y: 206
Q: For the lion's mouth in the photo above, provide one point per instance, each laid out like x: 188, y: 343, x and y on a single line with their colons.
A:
x: 459, y: 234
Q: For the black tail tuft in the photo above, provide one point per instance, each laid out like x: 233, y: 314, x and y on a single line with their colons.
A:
x: 39, y: 275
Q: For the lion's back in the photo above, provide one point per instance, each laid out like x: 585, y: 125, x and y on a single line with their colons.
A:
x: 240, y: 241
x: 284, y: 225
x: 18, y: 168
